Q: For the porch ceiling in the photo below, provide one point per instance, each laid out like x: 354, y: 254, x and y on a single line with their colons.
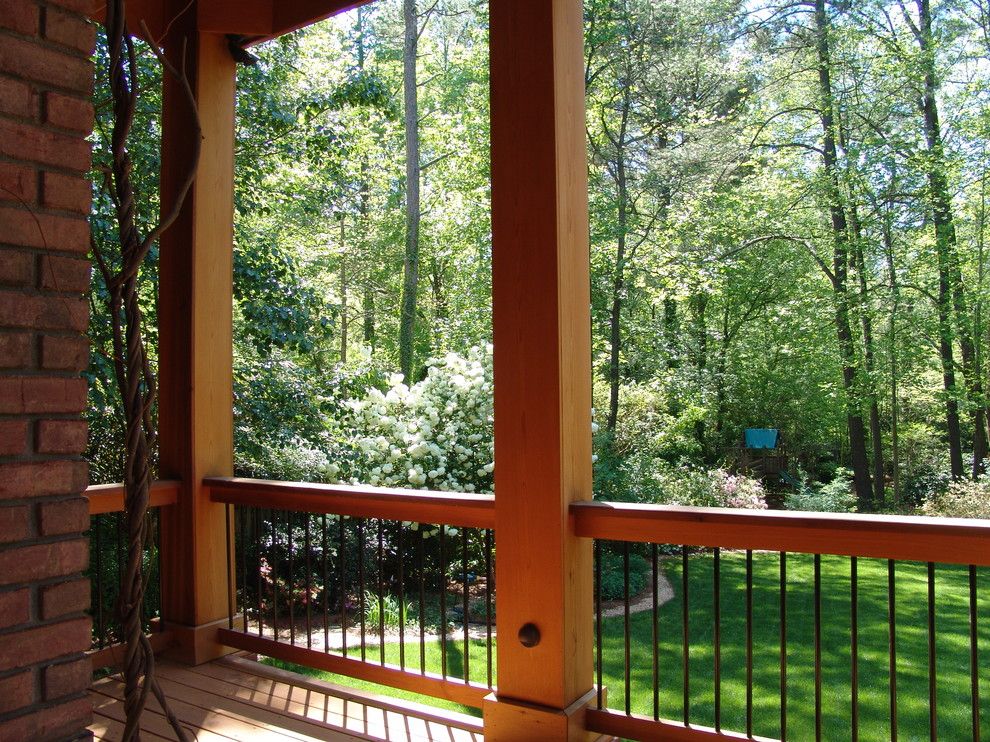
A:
x: 256, y: 20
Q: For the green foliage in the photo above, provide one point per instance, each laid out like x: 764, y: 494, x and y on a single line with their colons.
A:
x: 613, y: 580
x: 832, y: 497
x: 385, y: 611
x: 962, y: 499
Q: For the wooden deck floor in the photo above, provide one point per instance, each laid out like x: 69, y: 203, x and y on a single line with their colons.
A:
x: 238, y: 699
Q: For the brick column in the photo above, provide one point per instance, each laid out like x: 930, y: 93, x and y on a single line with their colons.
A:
x: 46, y: 81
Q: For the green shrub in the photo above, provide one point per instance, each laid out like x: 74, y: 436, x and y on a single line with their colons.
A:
x: 386, y: 611
x: 834, y: 497
x: 613, y: 587
x: 963, y: 498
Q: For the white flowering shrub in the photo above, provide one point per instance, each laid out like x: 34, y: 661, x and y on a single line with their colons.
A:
x: 436, y: 434
x: 963, y: 498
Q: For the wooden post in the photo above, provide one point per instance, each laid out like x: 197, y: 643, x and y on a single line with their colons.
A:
x: 195, y: 321
x: 541, y: 299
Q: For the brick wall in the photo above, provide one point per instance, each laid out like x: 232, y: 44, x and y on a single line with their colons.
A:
x: 45, y: 114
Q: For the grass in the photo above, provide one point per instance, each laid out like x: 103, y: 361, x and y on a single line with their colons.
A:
x: 952, y: 650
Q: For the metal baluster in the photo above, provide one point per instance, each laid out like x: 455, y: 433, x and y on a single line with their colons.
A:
x: 291, y: 582
x: 488, y: 603
x: 783, y: 646
x: 326, y: 583
x: 655, y: 625
x: 399, y: 547
x: 932, y: 676
x: 342, y: 588
x: 627, y: 665
x: 361, y: 596
x: 309, y: 583
x: 230, y: 587
x: 818, y: 647
x: 98, y: 597
x: 892, y: 644
x: 443, y: 600
x: 253, y: 513
x: 421, y: 558
x: 974, y: 654
x: 749, y: 643
x: 854, y: 642
x: 381, y: 592
x: 598, y: 621
x: 466, y: 603
x: 686, y: 639
x: 274, y: 572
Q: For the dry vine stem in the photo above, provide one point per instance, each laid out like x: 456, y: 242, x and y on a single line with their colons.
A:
x: 132, y: 369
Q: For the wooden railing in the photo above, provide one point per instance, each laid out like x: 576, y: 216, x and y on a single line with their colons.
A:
x: 793, y: 600
x: 314, y: 562
x: 106, y: 506
x: 301, y: 551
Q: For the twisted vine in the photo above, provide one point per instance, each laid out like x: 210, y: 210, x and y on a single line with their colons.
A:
x: 134, y: 375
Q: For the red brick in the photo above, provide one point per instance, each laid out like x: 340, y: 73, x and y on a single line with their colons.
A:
x: 60, y: 436
x: 15, y: 524
x: 17, y: 691
x: 44, y: 64
x: 17, y: 183
x: 15, y: 607
x: 33, y: 144
x: 23, y: 479
x: 17, y: 98
x: 20, y: 16
x: 21, y: 227
x: 64, y: 353
x: 41, y: 395
x: 63, y: 517
x: 68, y: 275
x: 15, y: 349
x: 70, y: 30
x: 17, y: 268
x: 13, y: 437
x: 63, y: 721
x: 68, y: 678
x: 43, y: 312
x: 39, y: 562
x: 64, y: 598
x: 66, y: 192
x: 82, y: 7
x: 69, y: 113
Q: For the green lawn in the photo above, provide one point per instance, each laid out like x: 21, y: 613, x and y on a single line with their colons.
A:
x: 952, y: 650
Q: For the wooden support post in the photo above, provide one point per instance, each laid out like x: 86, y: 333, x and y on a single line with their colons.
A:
x: 542, y: 328
x: 195, y: 325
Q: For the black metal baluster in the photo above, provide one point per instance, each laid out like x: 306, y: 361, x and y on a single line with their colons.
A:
x: 257, y: 545
x: 291, y: 581
x: 230, y: 586
x: 253, y: 512
x: 892, y: 644
x: 783, y: 646
x: 381, y: 592
x: 626, y: 664
x: 465, y: 603
x: 443, y: 600
x: 749, y: 643
x: 342, y: 587
x: 686, y: 639
x: 598, y: 622
x: 158, y: 562
x: 488, y: 603
x: 326, y: 582
x: 717, y: 609
x: 308, y: 536
x: 974, y: 654
x: 655, y: 626
x: 421, y: 558
x: 818, y: 647
x: 361, y: 596
x: 273, y: 562
x: 118, y: 523
x: 98, y: 597
x: 854, y: 643
x: 932, y: 676
x: 399, y: 548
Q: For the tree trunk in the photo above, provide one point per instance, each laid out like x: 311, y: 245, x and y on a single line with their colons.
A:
x: 343, y: 295
x: 368, y: 298
x: 952, y: 292
x: 410, y: 282
x: 618, y: 278
x: 895, y: 300
x: 840, y: 263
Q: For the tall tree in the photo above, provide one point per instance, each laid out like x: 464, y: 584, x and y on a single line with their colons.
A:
x: 410, y: 269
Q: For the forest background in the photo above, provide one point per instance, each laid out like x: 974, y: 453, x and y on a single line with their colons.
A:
x: 788, y: 226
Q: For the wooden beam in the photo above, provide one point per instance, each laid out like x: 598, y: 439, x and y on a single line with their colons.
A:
x: 109, y: 498
x: 542, y: 360
x: 944, y: 540
x: 440, y: 508
x: 195, y: 326
x: 428, y: 684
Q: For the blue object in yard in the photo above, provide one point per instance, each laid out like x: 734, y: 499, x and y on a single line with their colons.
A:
x: 761, y: 437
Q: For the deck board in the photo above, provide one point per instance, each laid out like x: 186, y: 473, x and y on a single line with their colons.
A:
x: 236, y: 699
